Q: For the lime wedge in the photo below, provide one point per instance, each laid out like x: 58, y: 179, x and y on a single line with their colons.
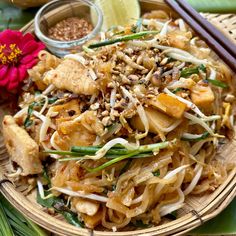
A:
x: 117, y: 12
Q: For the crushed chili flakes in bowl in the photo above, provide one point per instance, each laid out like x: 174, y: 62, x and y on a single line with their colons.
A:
x: 69, y: 29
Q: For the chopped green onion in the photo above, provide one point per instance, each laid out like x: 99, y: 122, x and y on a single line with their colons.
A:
x: 140, y: 224
x: 189, y: 71
x: 156, y: 173
x: 141, y: 155
x: 52, y: 100
x: 192, y: 70
x: 202, y: 68
x: 111, y: 162
x: 122, y: 39
x: 28, y: 122
x: 125, y: 167
x: 116, y: 153
x: 217, y: 83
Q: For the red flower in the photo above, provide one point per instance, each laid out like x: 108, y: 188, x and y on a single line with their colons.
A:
x: 18, y: 53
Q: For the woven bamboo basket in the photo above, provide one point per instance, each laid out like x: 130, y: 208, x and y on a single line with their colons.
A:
x: 27, y: 3
x: 196, y: 211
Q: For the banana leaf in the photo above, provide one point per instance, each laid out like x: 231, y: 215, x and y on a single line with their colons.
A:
x: 14, y: 18
x: 214, y: 6
x: 222, y: 224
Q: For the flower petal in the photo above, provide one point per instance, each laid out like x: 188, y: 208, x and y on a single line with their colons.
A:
x: 13, y: 74
x: 3, y: 72
x: 26, y: 38
x: 32, y: 48
x: 27, y: 59
x: 22, y: 73
x: 31, y: 64
x: 4, y: 80
x: 10, y: 36
x: 13, y: 85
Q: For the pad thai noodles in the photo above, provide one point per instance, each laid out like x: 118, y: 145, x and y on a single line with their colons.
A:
x: 116, y: 137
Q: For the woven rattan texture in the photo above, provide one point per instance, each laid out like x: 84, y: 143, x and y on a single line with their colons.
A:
x: 226, y: 23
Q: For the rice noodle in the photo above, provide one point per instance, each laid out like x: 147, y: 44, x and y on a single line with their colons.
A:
x: 200, y: 122
x: 166, y: 209
x: 198, y: 145
x: 198, y: 172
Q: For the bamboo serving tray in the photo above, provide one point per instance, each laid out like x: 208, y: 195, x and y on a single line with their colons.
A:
x: 197, y: 209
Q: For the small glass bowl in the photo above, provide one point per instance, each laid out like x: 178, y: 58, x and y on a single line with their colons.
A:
x: 58, y: 10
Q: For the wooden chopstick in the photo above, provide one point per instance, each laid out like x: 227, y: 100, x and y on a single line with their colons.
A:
x: 224, y: 41
x: 222, y: 52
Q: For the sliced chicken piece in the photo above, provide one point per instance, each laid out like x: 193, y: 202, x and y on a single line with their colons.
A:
x: 86, y: 206
x: 21, y: 147
x: 72, y: 76
x: 68, y: 109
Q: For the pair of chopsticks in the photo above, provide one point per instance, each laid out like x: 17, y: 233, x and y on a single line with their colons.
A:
x: 225, y: 49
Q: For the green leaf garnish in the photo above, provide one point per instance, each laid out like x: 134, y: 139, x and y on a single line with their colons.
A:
x: 60, y: 207
x: 140, y: 224
x: 156, y: 173
x: 172, y: 215
x: 15, y: 223
x: 122, y: 39
x: 192, y: 70
x: 217, y: 83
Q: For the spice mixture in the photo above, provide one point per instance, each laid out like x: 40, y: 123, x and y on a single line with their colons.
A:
x: 69, y: 29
